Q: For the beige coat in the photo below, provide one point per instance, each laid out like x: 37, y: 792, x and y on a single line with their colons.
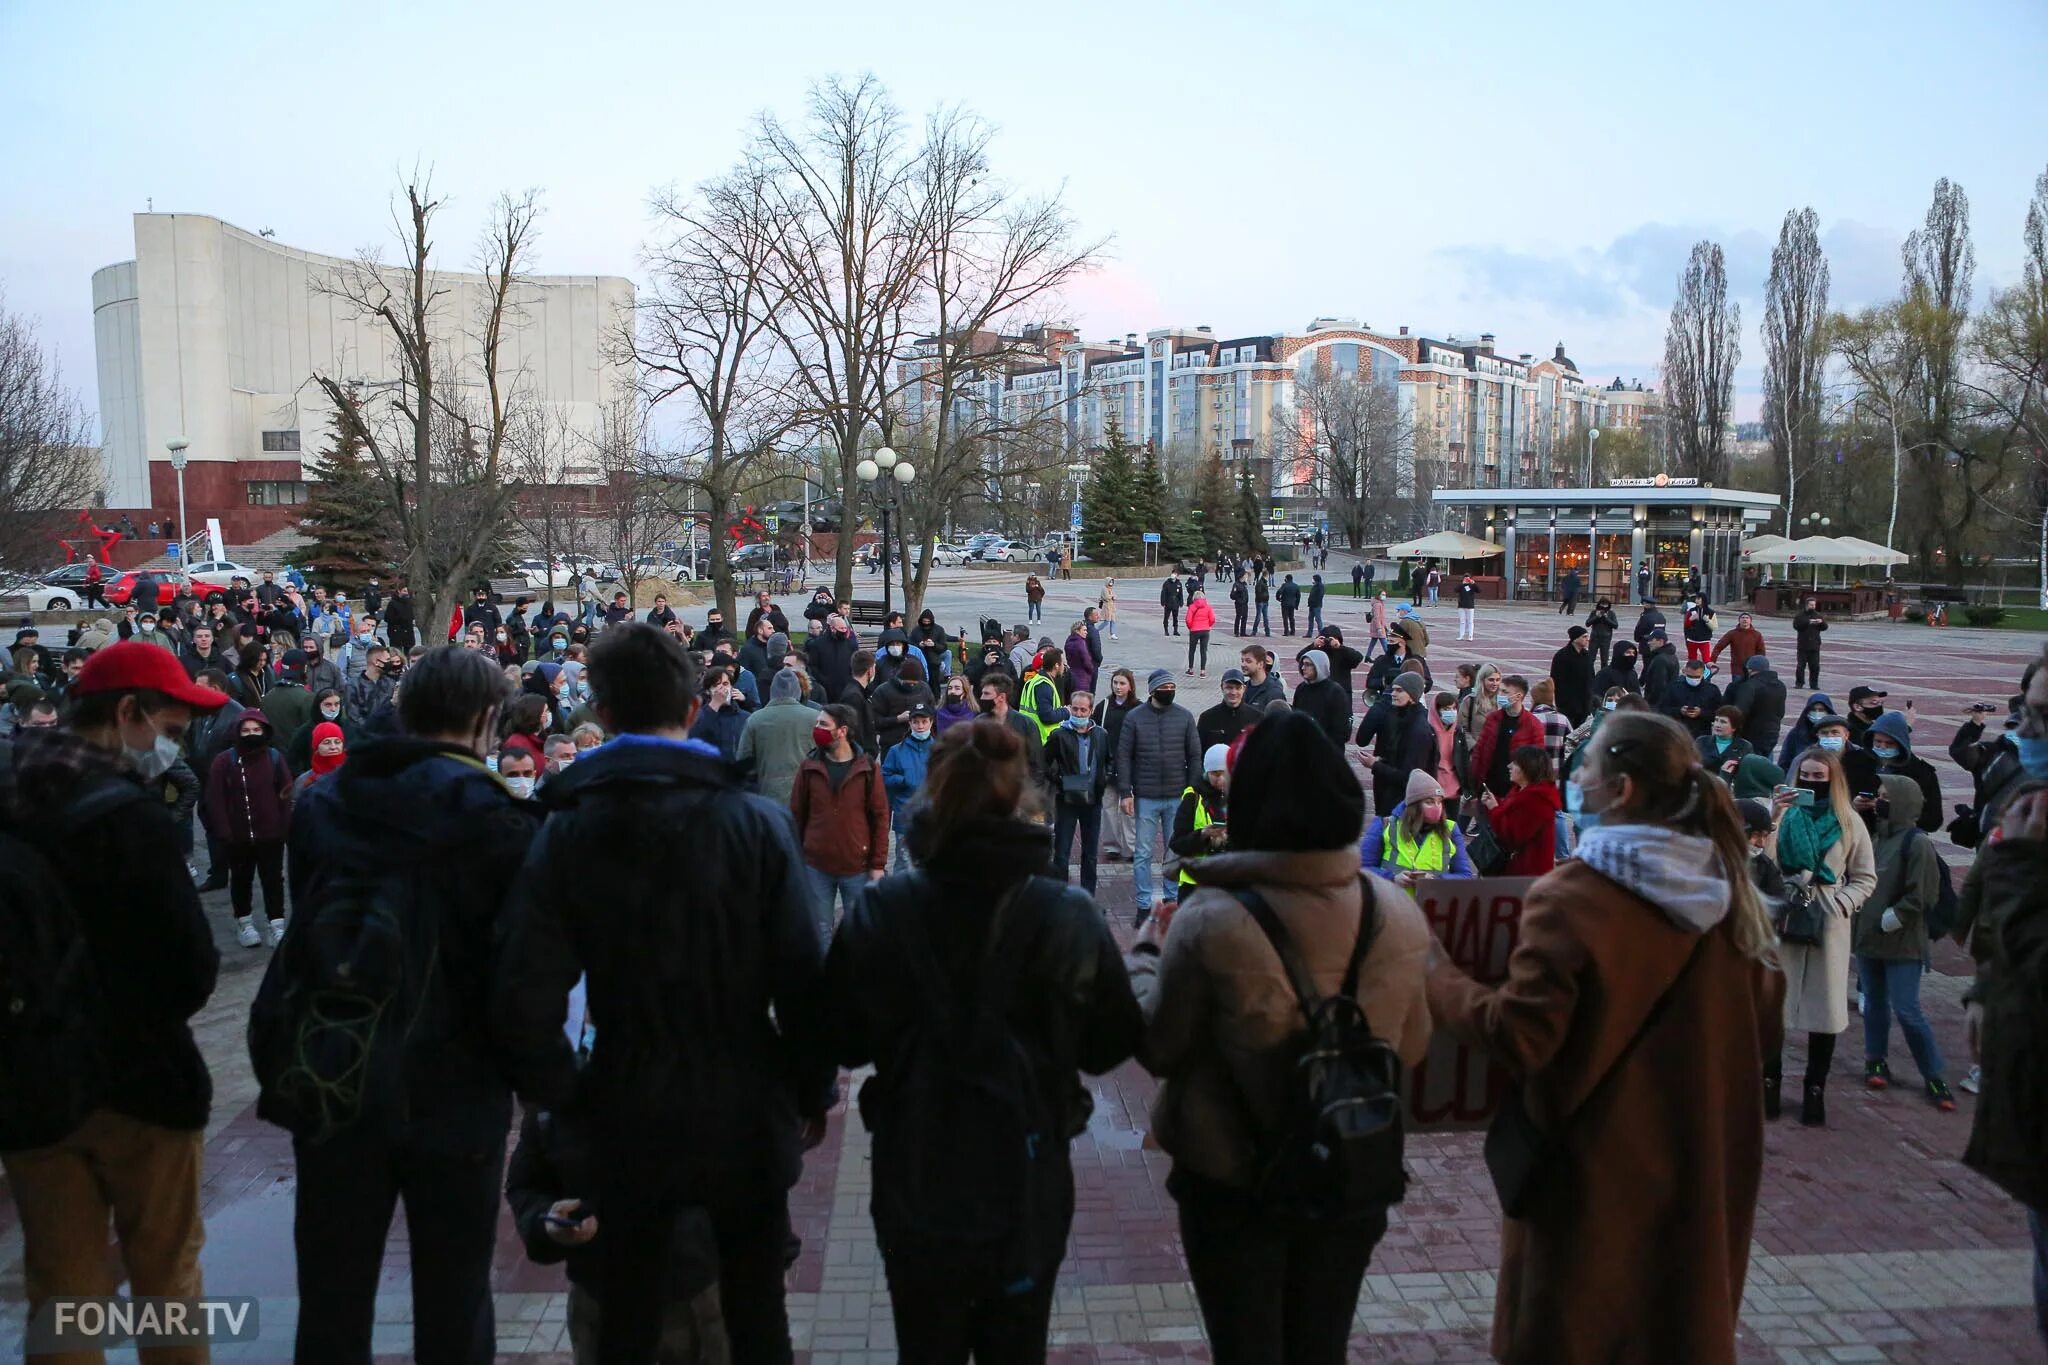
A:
x: 1219, y: 1011
x: 1107, y: 602
x: 1817, y: 977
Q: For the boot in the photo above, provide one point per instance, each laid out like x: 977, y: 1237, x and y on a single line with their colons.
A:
x: 1814, y: 1111
x: 1774, y: 1084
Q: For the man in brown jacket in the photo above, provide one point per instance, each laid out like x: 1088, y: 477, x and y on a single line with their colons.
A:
x: 1740, y: 643
x: 842, y: 815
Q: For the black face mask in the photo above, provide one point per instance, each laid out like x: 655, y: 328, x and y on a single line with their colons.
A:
x: 988, y: 706
x: 1163, y: 698
x: 1882, y: 808
x: 251, y: 742
x: 1818, y: 788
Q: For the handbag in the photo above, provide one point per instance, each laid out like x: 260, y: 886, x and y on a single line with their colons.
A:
x: 1482, y: 846
x: 1520, y: 1156
x: 1799, y: 918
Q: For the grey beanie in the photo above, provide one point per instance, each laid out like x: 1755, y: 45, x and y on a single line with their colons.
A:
x: 1158, y: 678
x: 1318, y: 660
x: 786, y: 687
x: 778, y: 645
x: 1412, y: 684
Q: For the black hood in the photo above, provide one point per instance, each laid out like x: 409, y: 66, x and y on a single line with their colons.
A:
x: 994, y: 852
x: 394, y: 783
x: 665, y: 765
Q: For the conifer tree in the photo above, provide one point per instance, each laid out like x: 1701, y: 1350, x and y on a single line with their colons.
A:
x: 1109, y: 526
x: 345, y: 515
x: 1251, y: 534
x: 1217, y: 504
x: 1149, y: 502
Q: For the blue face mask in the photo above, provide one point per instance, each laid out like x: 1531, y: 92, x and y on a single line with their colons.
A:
x: 1448, y: 715
x: 1574, y: 798
x: 1885, y: 752
x: 2033, y: 751
x: 1832, y: 743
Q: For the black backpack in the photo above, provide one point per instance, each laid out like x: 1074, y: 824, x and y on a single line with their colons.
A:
x: 1338, y: 1154
x: 967, y: 1175
x: 1947, y: 910
x: 51, y: 1062
x: 356, y: 979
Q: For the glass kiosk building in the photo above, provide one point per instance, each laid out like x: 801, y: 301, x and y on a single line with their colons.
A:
x: 1673, y: 525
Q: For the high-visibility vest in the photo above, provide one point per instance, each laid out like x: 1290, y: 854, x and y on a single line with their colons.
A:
x: 1030, y: 707
x: 1397, y: 849
x: 1202, y: 822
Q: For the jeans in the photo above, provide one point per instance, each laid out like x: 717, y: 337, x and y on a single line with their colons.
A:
x: 899, y: 858
x: 348, y: 1186
x: 1261, y: 621
x: 1034, y: 611
x: 939, y: 1325
x: 1155, y: 827
x: 1467, y: 630
x: 1893, y: 988
x: 753, y: 1250
x: 1271, y: 1291
x: 824, y: 889
x: 1432, y: 594
x: 1198, y: 639
x: 1315, y: 619
x: 1069, y: 817
x: 248, y: 863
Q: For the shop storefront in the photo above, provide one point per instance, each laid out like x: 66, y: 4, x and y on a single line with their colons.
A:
x: 1609, y: 536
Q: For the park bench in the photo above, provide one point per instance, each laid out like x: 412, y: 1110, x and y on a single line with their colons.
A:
x: 868, y: 611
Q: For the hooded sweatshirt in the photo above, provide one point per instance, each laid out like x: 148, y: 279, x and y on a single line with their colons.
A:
x: 1908, y: 879
x: 249, y: 789
x: 1678, y: 873
x: 1800, y: 737
x: 1892, y: 727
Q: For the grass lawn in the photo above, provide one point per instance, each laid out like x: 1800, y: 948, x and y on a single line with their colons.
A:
x: 2016, y: 618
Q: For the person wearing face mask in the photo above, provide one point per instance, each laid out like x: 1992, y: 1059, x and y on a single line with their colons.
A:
x: 1890, y: 741
x: 1510, y: 727
x: 1619, y: 671
x: 558, y: 756
x: 1201, y: 820
x: 431, y: 1134
x: 829, y: 653
x: 373, y: 687
x: 1866, y: 704
x: 1319, y: 697
x: 329, y: 752
x: 1822, y: 847
x: 1443, y: 728
x: 895, y: 648
x: 1398, y: 733
x: 125, y: 1138
x: 903, y: 772
x: 1157, y: 756
x: 1805, y: 731
x: 841, y: 807
x: 1723, y: 748
x: 1858, y: 763
x: 1416, y: 837
x: 1119, y: 830
x: 776, y: 739
x: 249, y: 800
x: 720, y: 720
x: 1693, y: 700
x: 1077, y: 771
x: 1891, y: 942
x: 1601, y: 623
x: 957, y: 706
x: 519, y: 771
x: 327, y: 709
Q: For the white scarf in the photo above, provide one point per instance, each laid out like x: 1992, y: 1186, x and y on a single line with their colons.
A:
x: 1680, y: 874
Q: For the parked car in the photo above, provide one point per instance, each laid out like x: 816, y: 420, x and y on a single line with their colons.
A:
x: 541, y: 576
x: 944, y: 554
x: 759, y: 555
x: 71, y: 576
x: 661, y: 566
x: 1007, y: 552
x: 36, y: 596
x: 168, y: 585
x: 221, y: 573
x: 603, y: 570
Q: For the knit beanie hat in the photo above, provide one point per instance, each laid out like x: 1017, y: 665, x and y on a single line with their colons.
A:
x: 1216, y: 759
x: 786, y: 686
x: 1158, y: 678
x: 1422, y: 787
x: 1412, y: 684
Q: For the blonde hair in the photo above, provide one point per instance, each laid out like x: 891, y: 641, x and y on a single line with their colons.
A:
x: 1838, y: 786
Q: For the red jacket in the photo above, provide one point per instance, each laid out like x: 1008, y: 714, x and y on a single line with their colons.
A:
x: 1201, y: 616
x: 1525, y: 824
x: 1741, y: 644
x: 1528, y: 730
x: 844, y: 832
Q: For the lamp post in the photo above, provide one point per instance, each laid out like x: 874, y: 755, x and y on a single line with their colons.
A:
x: 879, y: 468
x: 177, y: 445
x: 1592, y: 435
x: 1810, y: 521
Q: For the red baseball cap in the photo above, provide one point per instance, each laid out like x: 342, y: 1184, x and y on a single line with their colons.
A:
x: 131, y: 665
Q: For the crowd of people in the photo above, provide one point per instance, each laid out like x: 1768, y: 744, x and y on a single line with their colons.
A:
x: 595, y: 914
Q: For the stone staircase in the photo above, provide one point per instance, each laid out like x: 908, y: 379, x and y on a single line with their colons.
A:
x: 267, y: 553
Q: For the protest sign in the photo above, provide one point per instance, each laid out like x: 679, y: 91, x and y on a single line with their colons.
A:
x: 1477, y: 920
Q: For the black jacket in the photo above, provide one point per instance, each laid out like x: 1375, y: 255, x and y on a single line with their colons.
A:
x: 1344, y: 660
x: 1388, y: 667
x: 1325, y: 703
x: 891, y: 699
x: 399, y: 627
x: 1223, y: 723
x: 147, y: 938
x: 1571, y: 673
x: 856, y: 696
x: 1157, y: 752
x: 1808, y: 626
x: 1110, y: 718
x: 1706, y: 699
x: 1620, y: 672
x: 1170, y: 593
x: 1071, y: 1004
x: 1402, y: 741
x: 1761, y: 699
x: 831, y: 659
x: 1602, y: 622
x: 1647, y: 622
x: 1288, y: 594
x: 1660, y: 674
x: 695, y: 1090
x: 1184, y: 839
x: 462, y: 837
x: 1063, y: 759
x: 1468, y: 596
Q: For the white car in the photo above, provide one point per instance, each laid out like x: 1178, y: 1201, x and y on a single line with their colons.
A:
x: 1007, y: 552
x: 945, y: 554
x: 661, y: 566
x: 39, y: 596
x: 541, y: 578
x: 222, y: 573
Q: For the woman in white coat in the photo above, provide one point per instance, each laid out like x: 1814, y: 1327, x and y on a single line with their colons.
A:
x: 1825, y: 849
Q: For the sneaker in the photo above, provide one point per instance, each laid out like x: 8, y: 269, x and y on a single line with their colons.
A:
x: 277, y: 930
x: 245, y: 932
x: 1974, y: 1081
x: 1877, y: 1073
x: 1938, y: 1091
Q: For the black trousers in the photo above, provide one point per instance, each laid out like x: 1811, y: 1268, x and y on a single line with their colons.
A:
x: 1270, y: 1292
x: 347, y: 1189
x: 1198, y: 638
x: 1568, y: 607
x: 1602, y: 645
x: 753, y: 1253
x: 1806, y: 671
x: 1172, y: 620
x: 1068, y: 819
x: 938, y: 1325
x: 250, y: 862
x: 1242, y: 615
x: 1287, y: 620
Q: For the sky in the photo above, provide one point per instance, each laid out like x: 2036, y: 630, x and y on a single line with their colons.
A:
x: 1535, y: 171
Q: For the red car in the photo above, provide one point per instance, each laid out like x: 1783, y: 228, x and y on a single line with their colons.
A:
x: 167, y: 589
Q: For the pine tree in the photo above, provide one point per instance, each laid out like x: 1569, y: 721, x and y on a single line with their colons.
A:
x: 1109, y: 527
x: 1149, y: 501
x: 345, y: 514
x: 1217, y: 504
x: 1185, y: 536
x: 1251, y: 523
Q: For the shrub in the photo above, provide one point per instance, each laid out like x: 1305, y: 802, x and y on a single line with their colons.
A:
x: 1984, y: 615
x: 1916, y: 614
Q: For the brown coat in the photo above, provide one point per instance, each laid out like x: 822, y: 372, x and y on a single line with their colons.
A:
x: 1637, y: 1248
x: 1218, y: 1008
x: 845, y: 831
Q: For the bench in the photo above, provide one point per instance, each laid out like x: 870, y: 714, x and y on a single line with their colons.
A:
x: 512, y: 589
x: 868, y: 611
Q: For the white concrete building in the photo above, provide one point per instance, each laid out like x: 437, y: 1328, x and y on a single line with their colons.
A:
x: 214, y: 334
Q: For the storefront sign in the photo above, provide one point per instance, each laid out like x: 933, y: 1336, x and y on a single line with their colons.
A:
x: 1659, y: 481
x: 1477, y: 922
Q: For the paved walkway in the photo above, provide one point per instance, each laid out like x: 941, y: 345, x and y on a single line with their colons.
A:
x: 1872, y: 1241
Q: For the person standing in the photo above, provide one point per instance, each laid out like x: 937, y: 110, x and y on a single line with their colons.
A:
x: 1315, y: 603
x: 1742, y: 643
x: 1240, y: 607
x: 1643, y: 584
x: 1823, y: 848
x: 1082, y: 660
x: 903, y: 774
x: 1398, y: 732
x: 1320, y: 698
x: 1224, y: 1025
x: 1261, y: 688
x: 1569, y: 592
x: 1436, y: 579
x: 1808, y: 626
x: 975, y: 969
x: 1107, y: 603
x: 1468, y: 604
x: 1660, y: 668
x: 1759, y: 693
x: 1201, y: 620
x: 775, y: 739
x: 1229, y: 718
x: 1158, y: 749
x: 1170, y: 599
x: 1602, y: 623
x: 841, y: 806
x: 249, y: 801
x: 1076, y: 771
x: 1699, y: 630
x: 1119, y: 831
x: 1034, y: 598
x: 708, y: 1074
x: 1507, y: 728
x: 1262, y: 592
x: 1357, y: 578
x: 429, y: 1128
x: 1571, y: 675
x: 1891, y: 941
x: 1637, y: 994
x: 1525, y: 820
x: 1289, y: 596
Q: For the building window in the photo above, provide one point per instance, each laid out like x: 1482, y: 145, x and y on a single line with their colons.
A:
x: 280, y: 443
x: 276, y: 492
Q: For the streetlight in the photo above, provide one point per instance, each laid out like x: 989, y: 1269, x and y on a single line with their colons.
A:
x: 1592, y: 435
x: 876, y: 469
x: 177, y: 445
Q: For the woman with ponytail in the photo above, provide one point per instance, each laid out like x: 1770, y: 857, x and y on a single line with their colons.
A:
x: 1640, y: 1000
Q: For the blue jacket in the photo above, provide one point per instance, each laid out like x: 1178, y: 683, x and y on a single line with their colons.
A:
x: 721, y: 728
x: 1800, y: 737
x: 903, y: 768
x: 1372, y: 848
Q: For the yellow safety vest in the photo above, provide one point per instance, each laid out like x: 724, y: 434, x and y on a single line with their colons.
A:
x: 1202, y: 822
x: 1432, y: 854
x: 1031, y: 685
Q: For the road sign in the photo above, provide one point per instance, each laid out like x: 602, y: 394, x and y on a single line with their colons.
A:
x: 1074, y: 517
x: 174, y: 549
x: 771, y: 521
x: 1151, y: 537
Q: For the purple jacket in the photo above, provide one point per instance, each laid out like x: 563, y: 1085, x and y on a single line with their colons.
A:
x: 1080, y: 663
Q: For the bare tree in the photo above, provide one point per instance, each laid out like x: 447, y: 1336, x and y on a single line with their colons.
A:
x: 1795, y: 349
x: 635, y: 501
x: 705, y: 346
x: 1880, y: 352
x: 438, y: 435
x: 1359, y: 445
x: 1949, y: 476
x: 47, y: 465
x: 1702, y: 346
x: 549, y: 461
x: 848, y: 265
x: 2011, y: 342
